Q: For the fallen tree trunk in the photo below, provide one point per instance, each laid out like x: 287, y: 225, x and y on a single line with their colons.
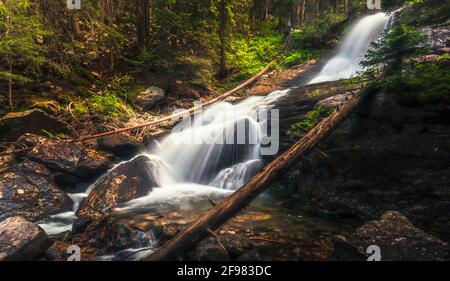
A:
x: 182, y: 113
x: 230, y: 206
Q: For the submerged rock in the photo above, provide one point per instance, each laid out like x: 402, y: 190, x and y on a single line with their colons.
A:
x: 119, y: 145
x: 28, y: 190
x: 399, y: 240
x: 210, y: 250
x: 21, y: 240
x: 71, y: 162
x: 127, y: 181
x: 15, y: 124
x: 148, y: 98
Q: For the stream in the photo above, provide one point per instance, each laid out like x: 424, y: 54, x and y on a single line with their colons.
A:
x: 190, y: 171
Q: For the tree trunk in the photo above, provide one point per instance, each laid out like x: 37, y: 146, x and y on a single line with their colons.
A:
x: 10, y: 81
x: 346, y: 8
x: 294, y: 14
x: 183, y: 113
x: 302, y: 12
x: 265, y: 13
x: 335, y: 6
x: 240, y: 199
x: 142, y: 21
x: 222, y: 37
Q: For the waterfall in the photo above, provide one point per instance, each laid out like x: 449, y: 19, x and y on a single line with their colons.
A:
x: 195, y: 169
x: 354, y: 47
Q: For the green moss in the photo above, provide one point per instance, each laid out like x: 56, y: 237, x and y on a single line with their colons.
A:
x: 311, y: 120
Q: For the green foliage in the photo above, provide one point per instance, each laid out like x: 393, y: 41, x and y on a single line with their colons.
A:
x: 248, y: 56
x: 111, y: 101
x: 296, y: 57
x: 425, y: 12
x: 413, y: 82
x: 396, y: 45
x: 119, y: 86
x: 311, y: 120
x: 107, y: 104
x: 53, y: 136
x: 313, y: 34
x: 421, y: 83
x: 21, y: 35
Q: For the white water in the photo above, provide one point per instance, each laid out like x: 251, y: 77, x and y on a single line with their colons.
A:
x: 346, y: 62
x: 191, y: 172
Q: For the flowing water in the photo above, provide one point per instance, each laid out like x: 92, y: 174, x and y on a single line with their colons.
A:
x: 190, y: 171
x: 346, y: 62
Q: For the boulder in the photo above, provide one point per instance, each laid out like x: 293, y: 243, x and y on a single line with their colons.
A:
x: 125, y: 182
x: 335, y: 101
x: 385, y: 156
x: 210, y: 250
x: 71, y: 162
x: 148, y: 98
x: 399, y: 240
x: 119, y: 145
x: 15, y: 124
x: 21, y: 240
x: 28, y: 190
x: 110, y: 236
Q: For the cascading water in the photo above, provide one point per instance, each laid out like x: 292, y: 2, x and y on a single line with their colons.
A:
x: 195, y: 171
x: 198, y: 162
x: 346, y: 62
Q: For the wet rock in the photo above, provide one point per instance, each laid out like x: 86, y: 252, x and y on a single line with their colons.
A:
x: 21, y: 240
x: 15, y: 124
x: 6, y: 162
x: 28, y: 190
x: 252, y: 255
x: 127, y: 181
x: 385, y: 156
x: 345, y: 250
x: 399, y: 240
x: 335, y: 101
x: 210, y: 250
x: 148, y: 98
x: 119, y: 145
x: 71, y: 162
x: 181, y: 89
x: 438, y: 38
x: 112, y: 236
x: 81, y: 224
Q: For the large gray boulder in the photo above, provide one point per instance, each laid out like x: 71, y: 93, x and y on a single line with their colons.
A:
x: 148, y: 98
x: 28, y: 190
x: 15, y: 124
x: 399, y: 240
x: 127, y: 181
x: 21, y: 240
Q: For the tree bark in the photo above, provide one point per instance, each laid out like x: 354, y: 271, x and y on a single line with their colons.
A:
x: 10, y: 81
x: 188, y: 111
x: 265, y: 14
x: 240, y: 199
x: 142, y: 21
x: 222, y: 37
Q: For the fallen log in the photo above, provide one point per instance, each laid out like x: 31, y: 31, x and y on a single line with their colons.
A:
x: 240, y: 199
x: 182, y: 113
